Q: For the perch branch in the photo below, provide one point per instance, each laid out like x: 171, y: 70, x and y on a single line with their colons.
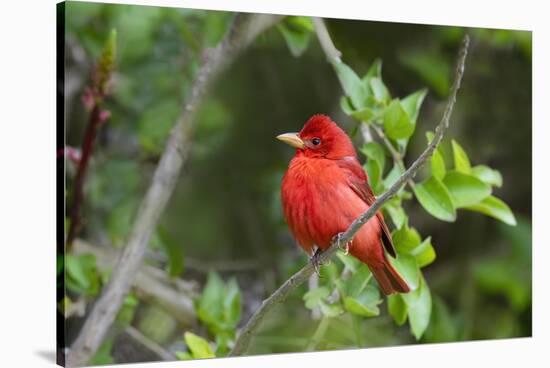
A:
x: 243, y: 30
x: 251, y: 327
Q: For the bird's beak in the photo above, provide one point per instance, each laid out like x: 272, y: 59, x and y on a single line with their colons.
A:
x: 292, y: 139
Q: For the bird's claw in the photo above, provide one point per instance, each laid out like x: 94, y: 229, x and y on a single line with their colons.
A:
x: 316, y: 261
x: 338, y: 240
x: 346, y: 248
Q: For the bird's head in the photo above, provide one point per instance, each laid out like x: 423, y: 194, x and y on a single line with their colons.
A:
x: 321, y: 138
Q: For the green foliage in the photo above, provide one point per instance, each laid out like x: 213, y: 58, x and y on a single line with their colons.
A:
x: 155, y: 125
x: 105, y: 64
x: 419, y: 308
x: 81, y: 275
x: 126, y: 313
x: 199, y: 348
x: 510, y: 274
x: 103, y: 355
x: 297, y: 32
x: 158, y: 52
x: 397, y: 123
x: 368, y: 100
x: 434, y: 196
x: 465, y: 189
x: 219, y: 308
x: 431, y: 66
x: 172, y: 248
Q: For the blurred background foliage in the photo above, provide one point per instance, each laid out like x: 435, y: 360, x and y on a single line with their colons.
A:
x: 223, y: 233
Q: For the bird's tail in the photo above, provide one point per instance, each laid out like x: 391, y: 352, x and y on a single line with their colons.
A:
x: 389, y: 279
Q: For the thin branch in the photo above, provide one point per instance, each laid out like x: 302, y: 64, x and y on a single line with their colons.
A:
x: 147, y: 284
x: 397, y: 157
x: 244, y: 29
x: 149, y: 344
x: 325, y: 40
x: 251, y: 327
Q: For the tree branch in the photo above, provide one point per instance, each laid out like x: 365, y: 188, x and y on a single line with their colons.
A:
x: 148, y: 283
x: 251, y: 327
x: 242, y: 32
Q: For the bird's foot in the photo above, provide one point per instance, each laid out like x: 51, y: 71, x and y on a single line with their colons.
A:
x: 315, y: 260
x: 346, y: 248
x: 338, y: 240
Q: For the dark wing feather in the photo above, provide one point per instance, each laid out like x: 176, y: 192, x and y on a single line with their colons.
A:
x: 360, y: 185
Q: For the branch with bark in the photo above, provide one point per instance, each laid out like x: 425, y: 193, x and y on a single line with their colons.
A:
x: 150, y: 284
x: 243, y: 30
x: 251, y: 327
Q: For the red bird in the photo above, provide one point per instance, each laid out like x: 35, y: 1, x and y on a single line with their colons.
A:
x: 324, y: 190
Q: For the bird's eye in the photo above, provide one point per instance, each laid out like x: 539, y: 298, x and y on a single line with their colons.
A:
x: 316, y: 141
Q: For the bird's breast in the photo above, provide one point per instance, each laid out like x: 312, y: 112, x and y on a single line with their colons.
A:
x: 318, y: 202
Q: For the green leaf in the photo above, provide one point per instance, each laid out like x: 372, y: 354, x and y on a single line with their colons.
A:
x: 379, y: 90
x: 103, y: 355
x: 374, y: 151
x: 81, y: 274
x: 396, y: 212
x: 297, y: 32
x: 411, y: 104
x: 462, y: 162
x: 405, y: 239
x: 407, y: 267
x: 442, y: 327
x: 358, y: 281
x: 365, y: 114
x: 199, y: 347
x: 397, y: 123
x: 365, y: 304
x: 437, y: 165
x: 346, y: 106
x: 232, y: 303
x: 419, y: 306
x: 183, y: 355
x: 494, y: 207
x: 437, y: 162
x: 397, y: 309
x: 352, y: 85
x: 374, y: 173
x: 350, y: 262
x: 375, y: 71
x: 435, y: 199
x: 330, y: 310
x: 210, y: 304
x: 487, y: 175
x: 126, y: 313
x: 314, y: 297
x: 465, y: 189
x: 173, y: 251
x: 424, y: 253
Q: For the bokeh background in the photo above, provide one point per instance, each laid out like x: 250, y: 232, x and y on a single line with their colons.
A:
x: 225, y: 214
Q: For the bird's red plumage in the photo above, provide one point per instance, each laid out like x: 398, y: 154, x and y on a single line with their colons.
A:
x: 325, y: 189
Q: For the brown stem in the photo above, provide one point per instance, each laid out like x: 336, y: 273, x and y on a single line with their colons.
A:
x: 78, y: 187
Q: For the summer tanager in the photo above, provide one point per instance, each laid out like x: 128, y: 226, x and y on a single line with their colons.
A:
x: 324, y: 190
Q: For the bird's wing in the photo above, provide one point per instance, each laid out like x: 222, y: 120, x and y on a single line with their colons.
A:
x: 358, y: 182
